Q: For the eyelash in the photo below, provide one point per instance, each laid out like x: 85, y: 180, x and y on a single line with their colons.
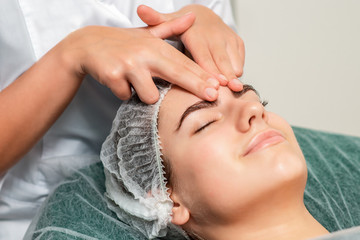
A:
x: 263, y: 102
x: 204, y: 126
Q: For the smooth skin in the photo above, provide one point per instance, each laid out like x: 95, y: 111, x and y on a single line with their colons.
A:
x: 213, y: 44
x: 116, y: 57
x: 221, y: 190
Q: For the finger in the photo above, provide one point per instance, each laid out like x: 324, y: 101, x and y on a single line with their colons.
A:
x: 236, y: 85
x: 150, y: 16
x: 173, y: 27
x: 111, y: 76
x: 202, y: 56
x: 144, y: 86
x: 203, y: 86
x: 190, y: 65
x: 121, y: 88
x: 223, y: 62
x: 236, y: 52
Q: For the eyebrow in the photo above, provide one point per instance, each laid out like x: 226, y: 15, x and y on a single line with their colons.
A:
x: 195, y: 107
x: 207, y: 104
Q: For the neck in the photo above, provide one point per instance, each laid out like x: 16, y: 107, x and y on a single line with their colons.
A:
x: 293, y: 224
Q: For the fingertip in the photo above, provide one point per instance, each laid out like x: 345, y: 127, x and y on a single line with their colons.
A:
x: 236, y: 85
x: 149, y: 16
x: 211, y: 94
x: 122, y: 94
x: 238, y: 71
x: 223, y: 80
x: 141, y: 9
x: 150, y: 98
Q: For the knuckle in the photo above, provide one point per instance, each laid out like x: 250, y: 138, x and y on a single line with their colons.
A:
x: 142, y: 51
x: 130, y: 63
x: 111, y: 75
x: 129, y: 66
x: 139, y: 55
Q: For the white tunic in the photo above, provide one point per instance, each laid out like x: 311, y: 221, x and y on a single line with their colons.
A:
x: 28, y: 29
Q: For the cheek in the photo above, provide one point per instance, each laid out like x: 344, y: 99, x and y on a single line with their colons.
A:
x: 288, y: 159
x: 281, y: 124
x: 202, y: 162
x: 213, y: 181
x: 204, y: 172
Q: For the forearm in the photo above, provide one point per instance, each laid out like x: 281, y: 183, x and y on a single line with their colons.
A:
x: 33, y: 102
x: 118, y: 58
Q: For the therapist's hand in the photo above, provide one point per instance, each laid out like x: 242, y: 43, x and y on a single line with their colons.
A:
x: 118, y: 58
x: 212, y: 44
x: 123, y: 57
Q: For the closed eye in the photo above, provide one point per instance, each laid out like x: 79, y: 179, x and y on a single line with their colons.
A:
x: 263, y: 102
x: 204, y: 126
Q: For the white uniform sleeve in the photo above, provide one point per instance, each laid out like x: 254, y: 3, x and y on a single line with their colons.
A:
x: 16, y: 54
x: 222, y: 8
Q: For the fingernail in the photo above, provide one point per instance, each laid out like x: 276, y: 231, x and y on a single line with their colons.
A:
x: 211, y: 93
x: 213, y: 82
x: 223, y: 77
x: 236, y: 82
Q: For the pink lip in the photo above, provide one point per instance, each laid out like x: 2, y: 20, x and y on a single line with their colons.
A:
x: 264, y: 140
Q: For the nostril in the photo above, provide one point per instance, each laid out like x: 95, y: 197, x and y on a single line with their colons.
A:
x: 250, y: 119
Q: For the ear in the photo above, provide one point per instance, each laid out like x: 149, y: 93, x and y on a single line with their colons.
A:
x: 180, y: 213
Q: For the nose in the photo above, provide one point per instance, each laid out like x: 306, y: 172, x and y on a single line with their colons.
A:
x: 251, y: 114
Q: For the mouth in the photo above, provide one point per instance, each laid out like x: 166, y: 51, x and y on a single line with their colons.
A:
x: 263, y: 140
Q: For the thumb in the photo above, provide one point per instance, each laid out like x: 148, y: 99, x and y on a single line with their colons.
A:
x: 150, y: 16
x: 174, y: 27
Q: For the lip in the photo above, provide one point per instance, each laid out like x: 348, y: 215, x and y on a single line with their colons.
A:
x: 263, y: 140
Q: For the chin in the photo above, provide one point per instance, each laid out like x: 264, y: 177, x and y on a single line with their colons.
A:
x: 289, y: 164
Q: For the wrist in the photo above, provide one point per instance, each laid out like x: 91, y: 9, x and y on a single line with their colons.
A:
x: 68, y: 56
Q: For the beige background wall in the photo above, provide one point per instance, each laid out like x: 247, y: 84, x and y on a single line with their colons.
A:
x: 304, y: 57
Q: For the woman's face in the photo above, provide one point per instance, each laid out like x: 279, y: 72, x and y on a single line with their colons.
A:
x: 229, y: 158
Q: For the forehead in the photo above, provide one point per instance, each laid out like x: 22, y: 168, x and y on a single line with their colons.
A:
x: 177, y: 98
x: 174, y: 104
